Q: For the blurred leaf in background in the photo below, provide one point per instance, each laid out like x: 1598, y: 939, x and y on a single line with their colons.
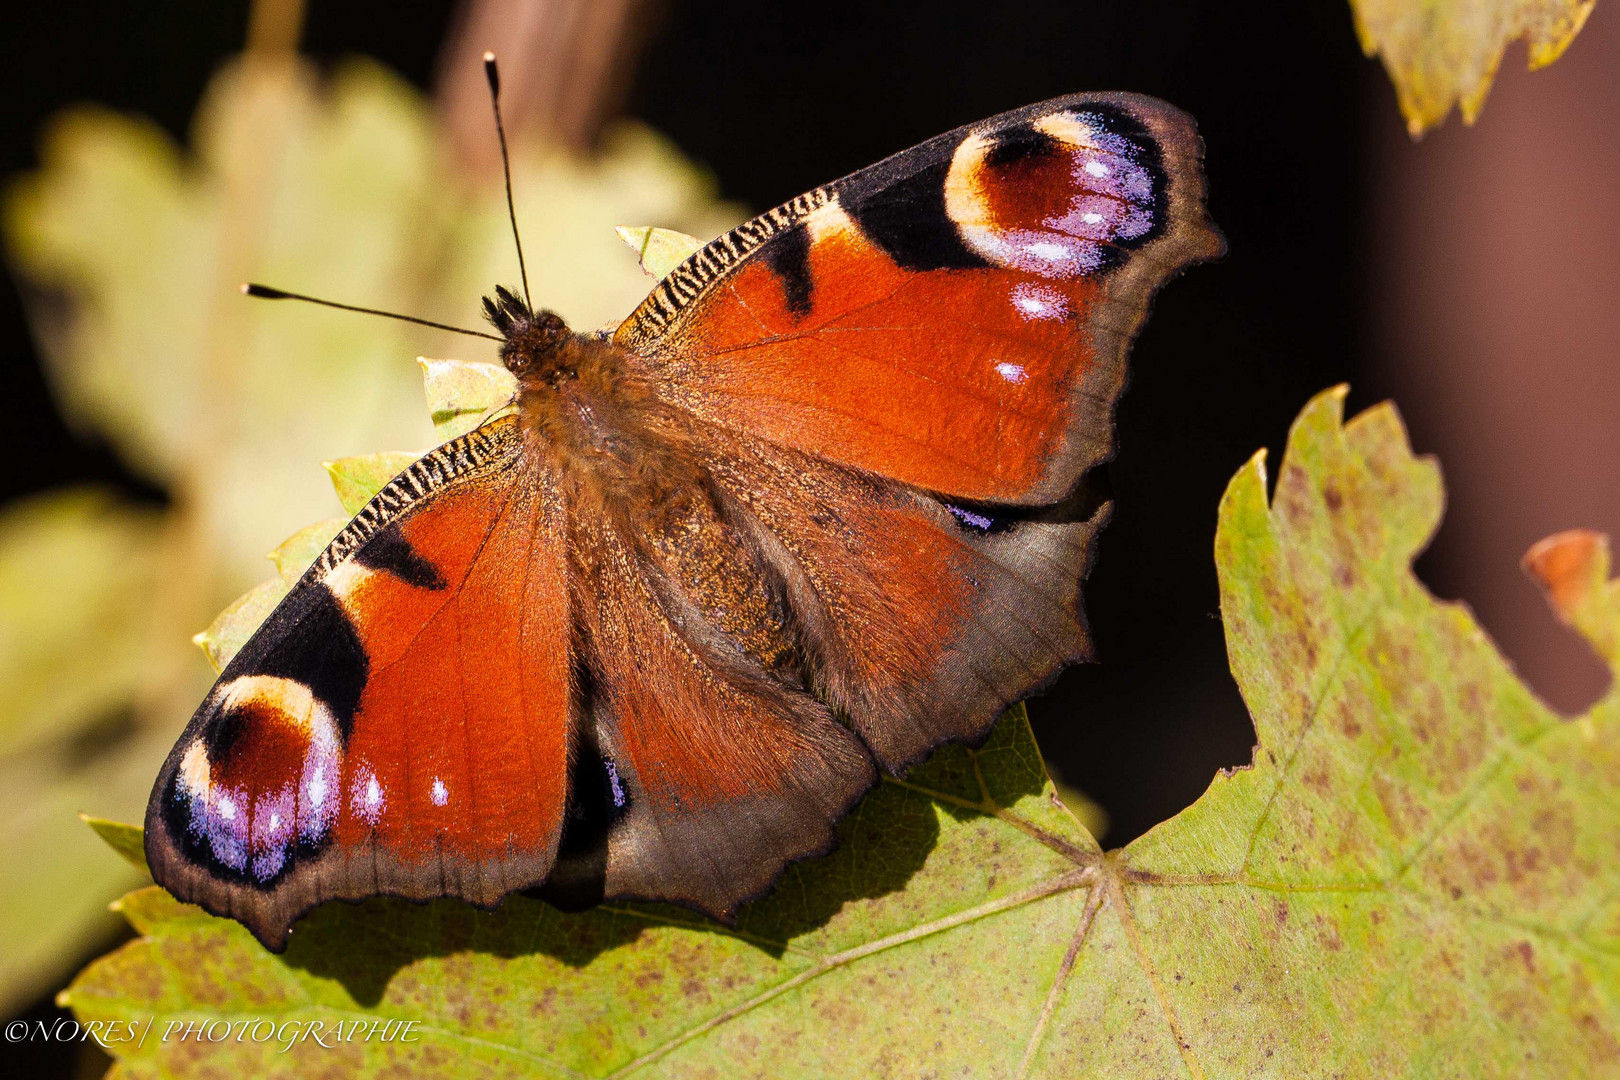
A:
x: 1441, y: 53
x: 130, y: 251
x: 77, y: 572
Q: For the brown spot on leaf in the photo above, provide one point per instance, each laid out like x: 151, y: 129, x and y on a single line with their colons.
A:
x: 1527, y: 955
x: 1327, y: 934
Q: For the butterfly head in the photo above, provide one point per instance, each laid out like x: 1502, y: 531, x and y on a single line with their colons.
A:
x: 532, y: 338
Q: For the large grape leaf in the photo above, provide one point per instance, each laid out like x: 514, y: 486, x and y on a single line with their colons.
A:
x: 1441, y: 53
x: 1418, y: 876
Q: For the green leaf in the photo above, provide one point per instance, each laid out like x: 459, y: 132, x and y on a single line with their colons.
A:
x: 658, y: 251
x: 356, y: 479
x: 1444, y: 52
x: 76, y: 572
x: 232, y: 627
x: 461, y: 393
x: 1414, y: 878
x: 932, y: 871
x: 295, y: 554
x: 77, y: 585
x: 122, y: 838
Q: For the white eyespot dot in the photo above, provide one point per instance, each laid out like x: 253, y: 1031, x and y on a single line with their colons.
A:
x: 275, y: 822
x: 1091, y: 218
x: 227, y: 808
x: 1034, y: 301
x: 441, y: 794
x: 317, y: 790
x: 1047, y: 250
x: 366, y: 796
x: 1013, y: 373
x: 1096, y: 168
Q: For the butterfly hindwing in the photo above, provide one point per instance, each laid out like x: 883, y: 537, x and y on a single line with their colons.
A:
x: 955, y: 317
x: 723, y: 767
x: 400, y: 724
x: 922, y: 620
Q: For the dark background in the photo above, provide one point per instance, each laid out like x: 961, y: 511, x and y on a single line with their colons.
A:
x: 777, y: 98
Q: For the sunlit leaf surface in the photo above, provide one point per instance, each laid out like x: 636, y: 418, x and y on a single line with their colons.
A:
x: 1416, y: 877
x: 462, y: 393
x: 658, y: 250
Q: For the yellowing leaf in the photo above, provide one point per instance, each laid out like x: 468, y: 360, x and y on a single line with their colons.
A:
x: 76, y: 572
x: 122, y: 838
x: 232, y: 627
x: 77, y: 582
x: 230, y: 630
x: 461, y: 393
x: 293, y: 555
x: 1574, y: 569
x: 1441, y: 52
x: 658, y: 251
x: 356, y: 479
x: 1415, y: 877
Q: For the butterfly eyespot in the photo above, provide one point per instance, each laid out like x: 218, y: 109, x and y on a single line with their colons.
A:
x: 1057, y: 197
x: 251, y: 791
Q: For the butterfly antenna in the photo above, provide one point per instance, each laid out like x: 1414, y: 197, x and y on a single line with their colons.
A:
x: 265, y: 292
x: 494, y: 77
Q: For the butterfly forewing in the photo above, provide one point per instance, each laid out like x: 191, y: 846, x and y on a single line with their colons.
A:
x: 399, y: 724
x: 955, y: 317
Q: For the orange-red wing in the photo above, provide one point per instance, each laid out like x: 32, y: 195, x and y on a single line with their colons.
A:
x: 723, y: 767
x: 400, y: 724
x: 921, y: 621
x: 955, y: 317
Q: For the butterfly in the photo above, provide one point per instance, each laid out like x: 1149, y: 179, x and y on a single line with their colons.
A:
x: 822, y: 503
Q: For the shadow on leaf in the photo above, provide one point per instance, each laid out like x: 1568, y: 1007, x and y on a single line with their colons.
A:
x: 882, y: 843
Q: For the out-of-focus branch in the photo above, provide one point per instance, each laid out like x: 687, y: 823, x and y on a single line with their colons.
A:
x: 274, y: 27
x: 565, y: 70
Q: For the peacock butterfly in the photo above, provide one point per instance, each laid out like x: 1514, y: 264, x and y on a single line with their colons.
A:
x: 822, y: 503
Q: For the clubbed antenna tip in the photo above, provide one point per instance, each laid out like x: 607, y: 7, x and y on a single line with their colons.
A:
x: 494, y: 76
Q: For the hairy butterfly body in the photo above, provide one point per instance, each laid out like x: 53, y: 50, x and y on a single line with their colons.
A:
x: 821, y: 504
